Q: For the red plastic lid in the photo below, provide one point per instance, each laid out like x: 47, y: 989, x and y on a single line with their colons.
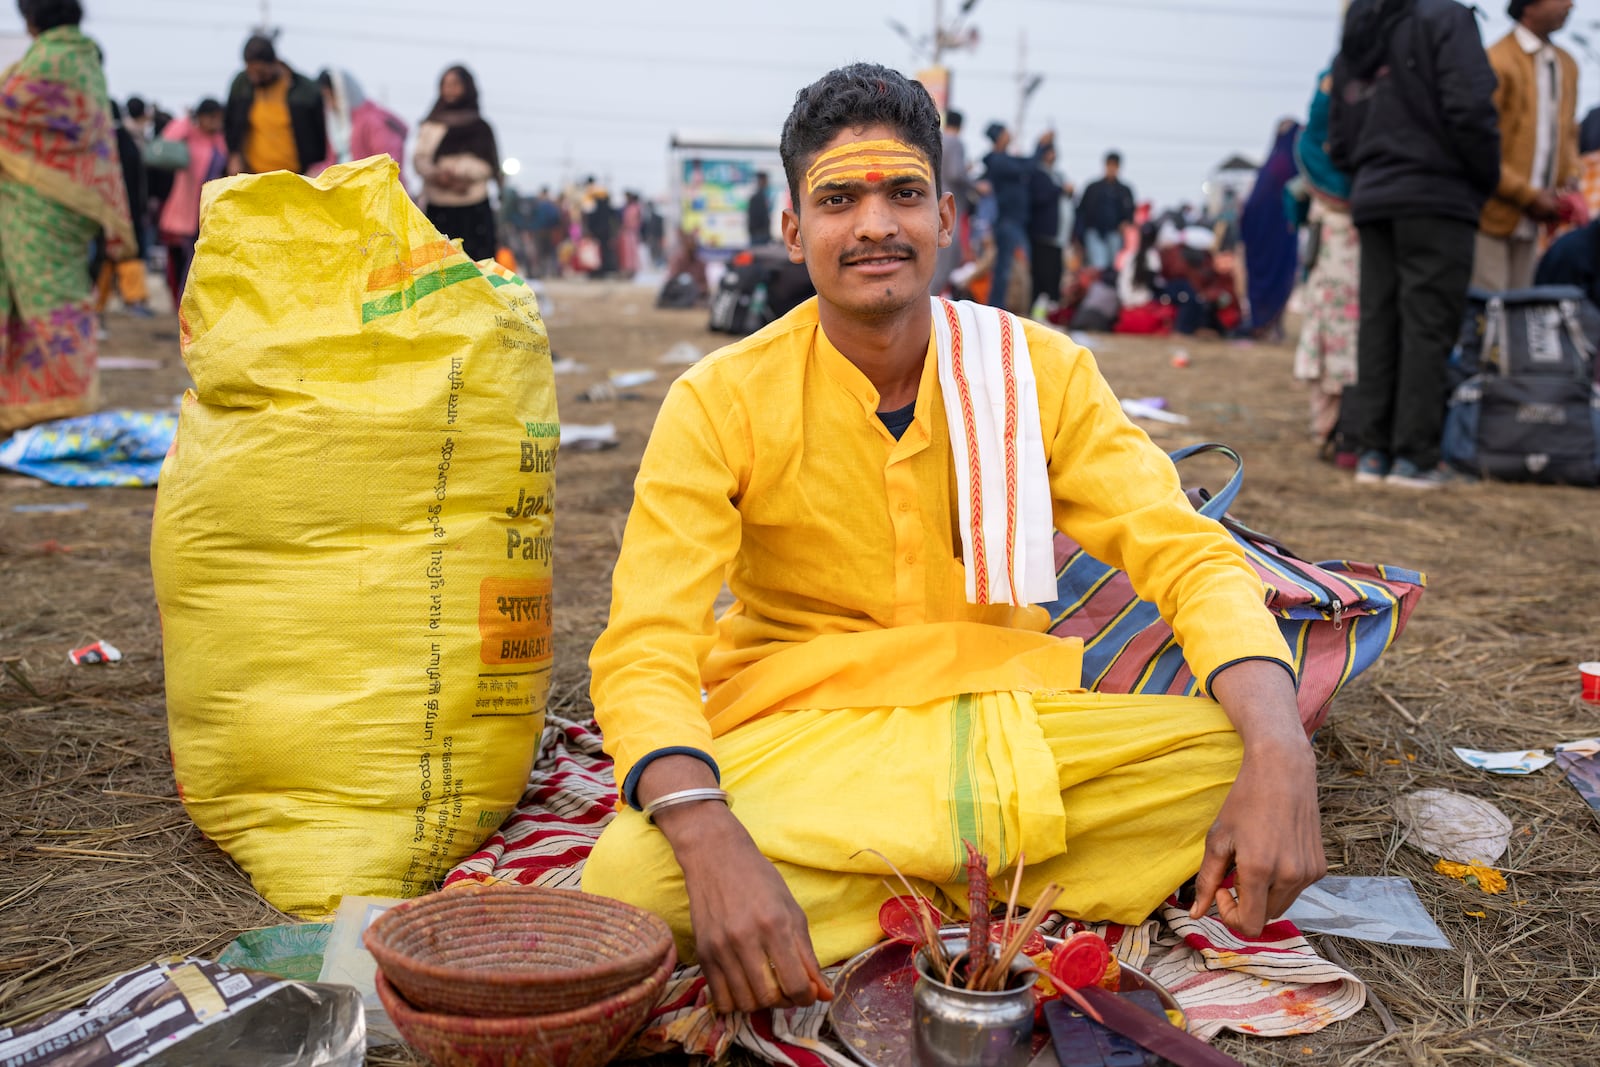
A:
x: 898, y: 918
x: 1080, y: 961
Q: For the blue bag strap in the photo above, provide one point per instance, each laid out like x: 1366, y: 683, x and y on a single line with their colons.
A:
x: 1219, y: 504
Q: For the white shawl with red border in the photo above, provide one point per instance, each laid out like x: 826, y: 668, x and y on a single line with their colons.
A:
x: 991, y: 402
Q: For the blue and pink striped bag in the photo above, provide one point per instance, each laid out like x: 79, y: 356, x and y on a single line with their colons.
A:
x: 1337, y: 616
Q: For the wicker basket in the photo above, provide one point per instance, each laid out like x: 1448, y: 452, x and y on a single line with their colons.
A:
x: 496, y: 951
x: 588, y: 1037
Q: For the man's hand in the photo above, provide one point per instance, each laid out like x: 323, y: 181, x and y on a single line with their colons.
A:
x: 751, y: 937
x: 1269, y: 831
x: 1546, y: 207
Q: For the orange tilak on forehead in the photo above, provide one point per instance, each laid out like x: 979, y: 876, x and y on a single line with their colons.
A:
x: 870, y: 162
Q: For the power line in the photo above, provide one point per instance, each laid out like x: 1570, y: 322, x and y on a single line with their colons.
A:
x: 541, y: 25
x: 1132, y: 80
x: 366, y: 35
x: 1191, y: 9
x: 1076, y: 133
x: 1078, y: 76
x: 391, y: 14
x: 1196, y: 8
x: 538, y: 48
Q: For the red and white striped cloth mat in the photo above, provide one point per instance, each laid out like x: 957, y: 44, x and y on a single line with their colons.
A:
x: 1274, y: 986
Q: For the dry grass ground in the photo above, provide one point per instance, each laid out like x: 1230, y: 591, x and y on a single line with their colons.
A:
x: 102, y: 870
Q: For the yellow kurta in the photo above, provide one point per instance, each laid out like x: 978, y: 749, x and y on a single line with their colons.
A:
x: 856, y: 699
x: 769, y: 469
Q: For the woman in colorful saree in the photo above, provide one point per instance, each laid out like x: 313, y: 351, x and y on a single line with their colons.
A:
x: 60, y: 182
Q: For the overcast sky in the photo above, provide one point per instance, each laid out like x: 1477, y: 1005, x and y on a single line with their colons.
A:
x: 598, y: 86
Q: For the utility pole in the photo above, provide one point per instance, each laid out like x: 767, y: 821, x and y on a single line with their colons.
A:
x: 952, y: 36
x: 1027, y: 85
x: 266, y: 28
x: 1022, y: 82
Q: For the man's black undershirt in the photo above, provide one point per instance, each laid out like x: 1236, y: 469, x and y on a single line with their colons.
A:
x: 898, y: 420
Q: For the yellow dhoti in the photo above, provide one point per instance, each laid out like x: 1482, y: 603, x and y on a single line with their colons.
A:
x: 1109, y: 796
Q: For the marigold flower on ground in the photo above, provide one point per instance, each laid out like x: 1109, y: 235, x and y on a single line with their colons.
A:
x: 1484, y: 879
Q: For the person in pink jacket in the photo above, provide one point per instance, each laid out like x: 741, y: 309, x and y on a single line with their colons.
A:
x: 358, y: 127
x: 179, y: 224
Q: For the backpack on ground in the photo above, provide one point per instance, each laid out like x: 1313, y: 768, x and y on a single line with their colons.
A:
x: 788, y: 287
x: 1528, y: 408
x: 678, y: 291
x: 759, y: 286
x: 1099, y: 309
x: 739, y: 300
x: 1467, y: 357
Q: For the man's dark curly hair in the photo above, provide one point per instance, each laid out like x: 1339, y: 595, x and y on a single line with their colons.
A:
x: 48, y: 14
x: 862, y: 94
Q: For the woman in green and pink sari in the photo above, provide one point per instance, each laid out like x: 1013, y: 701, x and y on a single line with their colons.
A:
x: 60, y: 183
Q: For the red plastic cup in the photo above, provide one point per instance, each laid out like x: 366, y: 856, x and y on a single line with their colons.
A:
x: 1591, y: 681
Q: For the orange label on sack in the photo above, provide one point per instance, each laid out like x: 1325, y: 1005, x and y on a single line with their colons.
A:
x: 514, y: 620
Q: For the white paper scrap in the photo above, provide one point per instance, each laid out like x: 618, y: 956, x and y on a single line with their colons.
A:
x: 1522, y: 761
x: 682, y: 354
x: 581, y: 438
x: 346, y: 961
x: 1454, y: 826
x: 626, y: 379
x: 1140, y: 409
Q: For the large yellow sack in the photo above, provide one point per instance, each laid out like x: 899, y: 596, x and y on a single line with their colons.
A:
x: 352, y: 540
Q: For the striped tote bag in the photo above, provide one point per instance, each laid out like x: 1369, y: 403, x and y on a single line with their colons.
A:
x: 1338, y: 617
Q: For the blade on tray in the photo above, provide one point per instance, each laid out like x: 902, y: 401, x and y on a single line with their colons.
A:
x: 1158, y: 1036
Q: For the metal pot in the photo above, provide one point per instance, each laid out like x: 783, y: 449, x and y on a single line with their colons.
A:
x: 954, y: 1027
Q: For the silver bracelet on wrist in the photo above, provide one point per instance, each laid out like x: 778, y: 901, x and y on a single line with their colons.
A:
x: 683, y: 796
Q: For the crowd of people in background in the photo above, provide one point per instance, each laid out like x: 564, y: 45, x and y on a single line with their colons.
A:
x: 1424, y: 165
x: 1427, y: 167
x: 96, y: 195
x: 1462, y: 163
x: 1099, y: 260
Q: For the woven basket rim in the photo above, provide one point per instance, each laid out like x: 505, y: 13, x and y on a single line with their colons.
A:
x: 403, y: 1011
x: 505, y: 976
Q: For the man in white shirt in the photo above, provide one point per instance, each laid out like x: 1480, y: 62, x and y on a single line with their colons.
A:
x: 1537, y: 101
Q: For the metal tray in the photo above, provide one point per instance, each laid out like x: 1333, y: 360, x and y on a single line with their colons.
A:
x: 871, y: 1009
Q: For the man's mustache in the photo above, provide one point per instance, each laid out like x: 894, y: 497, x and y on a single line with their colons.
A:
x: 901, y: 251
